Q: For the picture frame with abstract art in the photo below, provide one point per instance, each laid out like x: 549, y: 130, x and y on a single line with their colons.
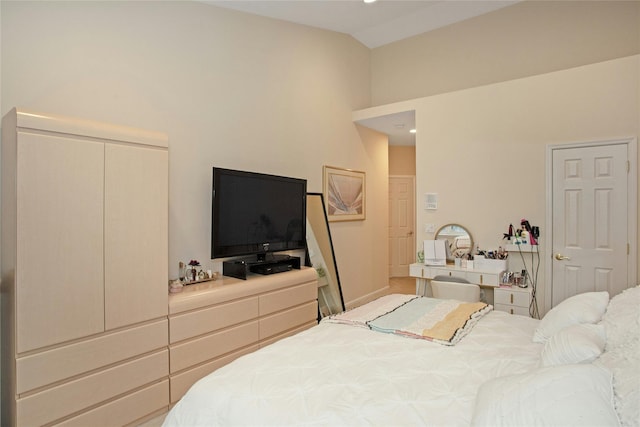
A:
x: 344, y: 193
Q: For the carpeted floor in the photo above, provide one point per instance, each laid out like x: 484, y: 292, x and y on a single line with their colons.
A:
x: 402, y: 285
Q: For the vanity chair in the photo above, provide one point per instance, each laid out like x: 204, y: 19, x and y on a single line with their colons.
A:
x: 442, y: 287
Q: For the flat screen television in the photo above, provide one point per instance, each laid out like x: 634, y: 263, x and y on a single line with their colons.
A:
x: 256, y: 214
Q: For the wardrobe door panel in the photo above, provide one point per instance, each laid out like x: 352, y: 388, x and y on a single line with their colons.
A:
x: 59, y: 271
x: 136, y: 238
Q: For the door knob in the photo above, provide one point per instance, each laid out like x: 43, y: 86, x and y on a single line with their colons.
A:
x: 561, y: 257
x: 410, y: 233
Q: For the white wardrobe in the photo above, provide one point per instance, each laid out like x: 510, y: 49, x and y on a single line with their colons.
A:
x: 84, y: 272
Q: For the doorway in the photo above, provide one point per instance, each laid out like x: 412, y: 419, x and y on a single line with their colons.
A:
x: 402, y: 238
x: 591, y: 218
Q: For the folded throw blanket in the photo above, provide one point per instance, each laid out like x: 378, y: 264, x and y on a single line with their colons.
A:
x: 441, y: 321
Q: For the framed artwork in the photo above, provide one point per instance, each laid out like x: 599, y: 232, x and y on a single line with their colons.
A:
x: 344, y: 193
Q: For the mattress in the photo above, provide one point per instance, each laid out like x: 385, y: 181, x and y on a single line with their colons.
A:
x: 335, y: 374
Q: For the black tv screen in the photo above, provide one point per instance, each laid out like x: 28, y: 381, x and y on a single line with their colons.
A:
x: 255, y: 213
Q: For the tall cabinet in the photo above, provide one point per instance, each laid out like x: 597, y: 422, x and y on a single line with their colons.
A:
x: 84, y: 271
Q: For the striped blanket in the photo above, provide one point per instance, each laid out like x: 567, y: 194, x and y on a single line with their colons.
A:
x: 442, y: 321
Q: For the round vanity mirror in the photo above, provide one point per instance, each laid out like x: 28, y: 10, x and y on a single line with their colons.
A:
x: 458, y: 238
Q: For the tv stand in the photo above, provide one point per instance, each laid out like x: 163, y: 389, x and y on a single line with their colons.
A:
x: 262, y: 264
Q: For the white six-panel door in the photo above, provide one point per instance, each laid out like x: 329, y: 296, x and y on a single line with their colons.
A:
x: 402, y: 239
x: 589, y: 220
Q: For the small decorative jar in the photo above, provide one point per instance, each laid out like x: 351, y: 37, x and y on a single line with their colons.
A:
x: 175, y: 286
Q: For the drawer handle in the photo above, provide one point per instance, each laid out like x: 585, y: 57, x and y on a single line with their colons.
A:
x: 449, y: 273
x: 511, y: 300
x: 511, y: 310
x: 481, y: 279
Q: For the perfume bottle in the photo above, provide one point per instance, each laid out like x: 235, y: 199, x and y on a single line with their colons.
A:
x: 182, y: 268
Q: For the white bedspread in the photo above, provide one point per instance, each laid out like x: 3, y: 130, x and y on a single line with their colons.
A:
x: 337, y: 375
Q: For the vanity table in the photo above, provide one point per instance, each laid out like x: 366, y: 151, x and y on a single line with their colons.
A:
x: 487, y: 275
x: 485, y: 278
x: 511, y: 299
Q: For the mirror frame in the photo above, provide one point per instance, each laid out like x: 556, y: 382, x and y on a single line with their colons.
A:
x: 332, y: 269
x: 471, y: 243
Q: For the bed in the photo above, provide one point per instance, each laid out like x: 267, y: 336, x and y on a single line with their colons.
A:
x: 579, y: 365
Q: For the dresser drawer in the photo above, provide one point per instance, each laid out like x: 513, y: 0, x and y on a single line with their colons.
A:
x: 511, y: 297
x: 190, y: 353
x: 181, y: 382
x: 416, y: 270
x: 65, y: 399
x: 285, y: 320
x: 125, y: 410
x: 288, y: 333
x: 483, y: 279
x: 477, y: 276
x: 512, y: 309
x: 192, y: 324
x: 64, y: 362
x: 290, y: 297
x: 432, y: 272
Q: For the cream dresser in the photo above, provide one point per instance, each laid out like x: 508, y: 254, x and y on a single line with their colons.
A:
x: 213, y: 323
x: 84, y: 268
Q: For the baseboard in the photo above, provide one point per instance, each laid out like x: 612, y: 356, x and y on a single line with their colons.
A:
x: 367, y: 298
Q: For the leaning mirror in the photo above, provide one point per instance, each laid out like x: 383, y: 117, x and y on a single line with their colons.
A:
x: 320, y: 256
x: 458, y: 239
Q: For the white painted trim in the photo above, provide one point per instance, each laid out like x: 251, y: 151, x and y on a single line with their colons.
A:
x: 632, y: 209
x: 367, y: 298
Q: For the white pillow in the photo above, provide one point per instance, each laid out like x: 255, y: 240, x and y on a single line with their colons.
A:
x: 582, y: 308
x: 622, y: 326
x: 622, y: 318
x: 568, y: 395
x: 624, y: 364
x: 581, y: 343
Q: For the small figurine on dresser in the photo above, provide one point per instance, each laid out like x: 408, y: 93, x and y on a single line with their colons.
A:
x: 193, y: 272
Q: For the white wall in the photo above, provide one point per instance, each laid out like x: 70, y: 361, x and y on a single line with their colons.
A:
x: 230, y: 89
x: 526, y: 39
x: 483, y: 149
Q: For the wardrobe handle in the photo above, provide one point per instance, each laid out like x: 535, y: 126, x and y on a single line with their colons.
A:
x: 511, y: 301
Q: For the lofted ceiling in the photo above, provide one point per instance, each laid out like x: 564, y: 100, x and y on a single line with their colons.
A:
x: 374, y: 25
x: 397, y: 126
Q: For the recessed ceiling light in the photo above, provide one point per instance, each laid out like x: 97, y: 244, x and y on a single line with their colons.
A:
x: 369, y: 1
x: 412, y: 131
